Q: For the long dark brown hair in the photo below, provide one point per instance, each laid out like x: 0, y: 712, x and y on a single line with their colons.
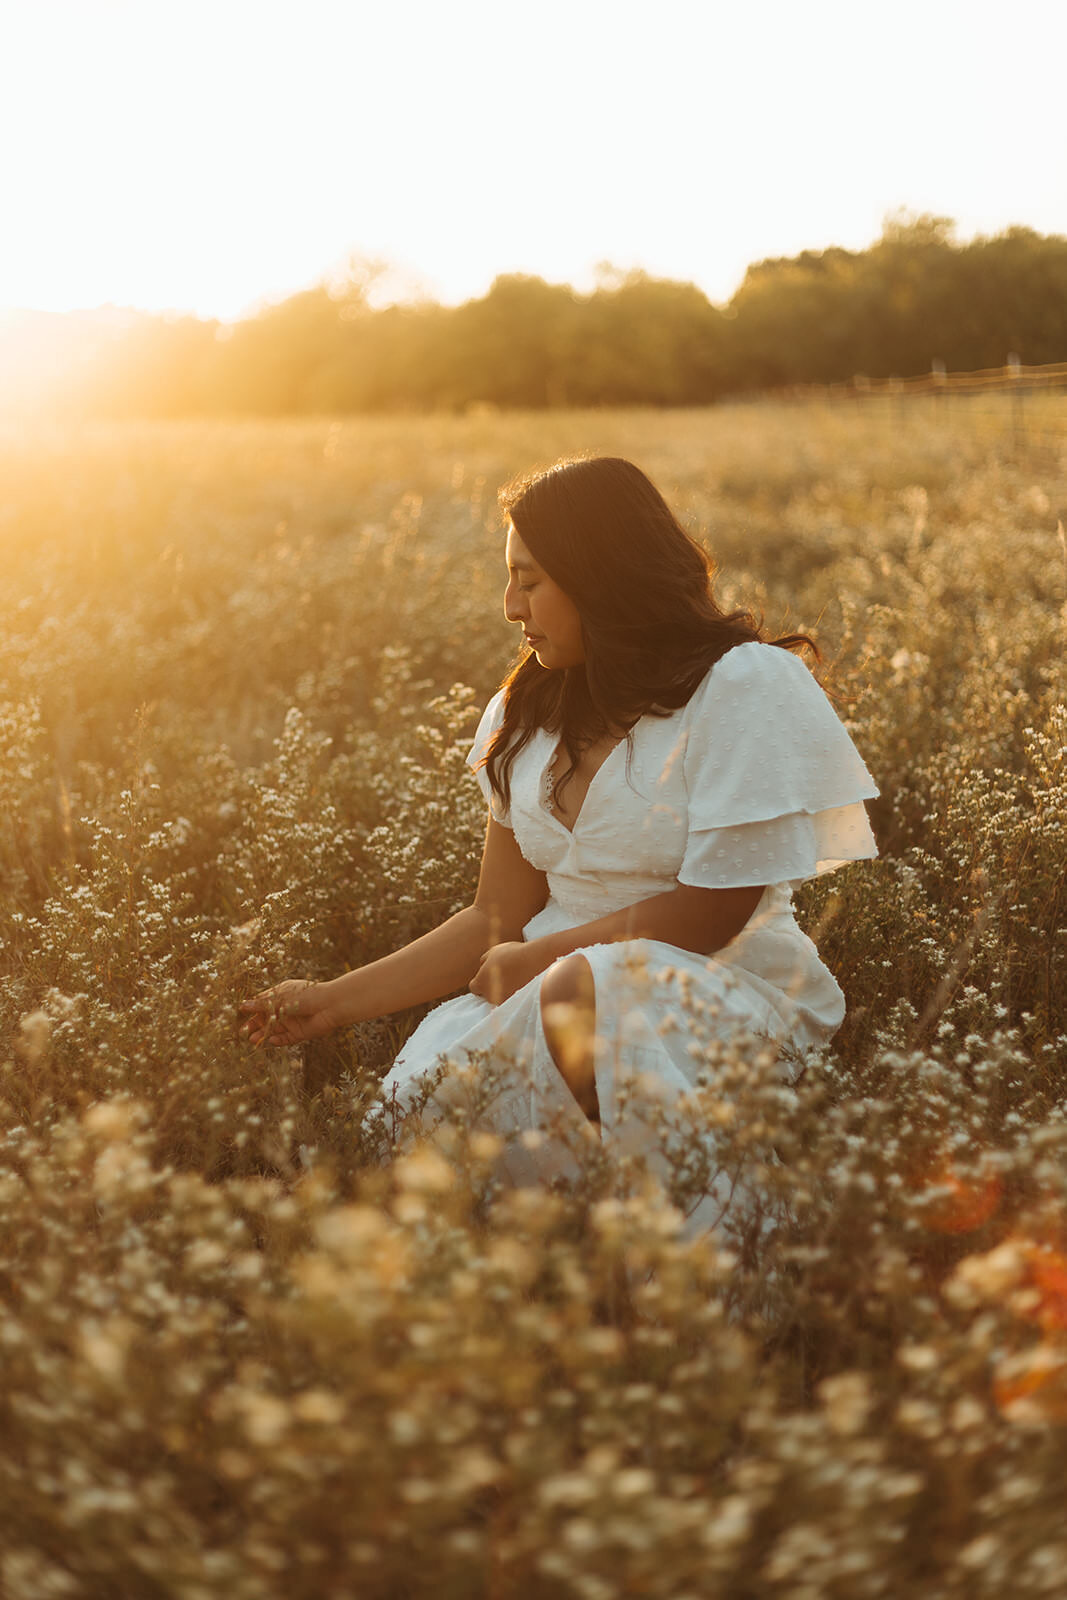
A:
x: 651, y: 628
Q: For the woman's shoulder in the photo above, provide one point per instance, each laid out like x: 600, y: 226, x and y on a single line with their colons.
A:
x: 490, y: 721
x: 763, y: 741
x: 494, y: 708
x: 476, y: 756
x: 755, y: 659
x: 752, y: 667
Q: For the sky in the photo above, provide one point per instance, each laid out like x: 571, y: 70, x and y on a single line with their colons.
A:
x: 211, y: 155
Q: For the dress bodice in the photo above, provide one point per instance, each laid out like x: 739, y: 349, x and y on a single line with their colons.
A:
x: 754, y: 780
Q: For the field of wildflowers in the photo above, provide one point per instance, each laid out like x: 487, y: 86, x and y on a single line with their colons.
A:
x: 245, y: 1353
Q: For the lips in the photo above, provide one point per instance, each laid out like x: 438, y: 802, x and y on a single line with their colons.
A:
x: 533, y: 639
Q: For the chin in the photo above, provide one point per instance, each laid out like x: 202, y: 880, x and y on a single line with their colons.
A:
x: 554, y: 660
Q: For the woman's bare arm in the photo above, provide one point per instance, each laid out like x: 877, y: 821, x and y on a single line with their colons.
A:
x: 509, y: 892
x: 701, y: 920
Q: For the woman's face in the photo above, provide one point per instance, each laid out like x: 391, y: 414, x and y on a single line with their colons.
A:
x: 551, y: 625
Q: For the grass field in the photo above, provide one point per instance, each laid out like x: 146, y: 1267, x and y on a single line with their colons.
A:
x: 246, y: 1356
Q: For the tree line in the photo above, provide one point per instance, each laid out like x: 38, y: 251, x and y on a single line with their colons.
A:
x: 913, y: 298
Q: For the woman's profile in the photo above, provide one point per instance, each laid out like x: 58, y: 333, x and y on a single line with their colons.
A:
x: 659, y: 778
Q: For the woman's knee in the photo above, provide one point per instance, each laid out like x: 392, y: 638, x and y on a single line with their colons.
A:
x: 568, y: 1014
x: 568, y: 982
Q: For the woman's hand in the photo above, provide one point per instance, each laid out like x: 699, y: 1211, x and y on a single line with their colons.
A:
x: 505, y: 968
x: 289, y: 1013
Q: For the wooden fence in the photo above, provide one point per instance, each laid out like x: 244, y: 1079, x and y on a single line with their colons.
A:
x: 1028, y: 402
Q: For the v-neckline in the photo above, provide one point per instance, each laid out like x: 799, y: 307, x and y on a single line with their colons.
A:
x: 546, y: 767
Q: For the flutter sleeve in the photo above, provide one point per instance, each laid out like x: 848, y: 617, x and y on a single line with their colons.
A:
x: 775, y: 785
x: 492, y: 717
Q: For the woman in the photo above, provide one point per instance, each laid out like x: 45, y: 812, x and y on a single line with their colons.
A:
x: 658, y: 778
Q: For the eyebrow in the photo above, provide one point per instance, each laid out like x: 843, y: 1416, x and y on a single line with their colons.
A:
x: 520, y: 566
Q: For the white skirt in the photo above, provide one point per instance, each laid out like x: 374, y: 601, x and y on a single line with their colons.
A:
x: 657, y: 1008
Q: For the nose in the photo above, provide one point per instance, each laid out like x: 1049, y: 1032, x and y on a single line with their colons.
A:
x: 515, y: 607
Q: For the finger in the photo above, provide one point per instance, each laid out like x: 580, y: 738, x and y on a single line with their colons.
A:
x: 259, y: 1020
x: 261, y: 1030
x: 259, y: 1002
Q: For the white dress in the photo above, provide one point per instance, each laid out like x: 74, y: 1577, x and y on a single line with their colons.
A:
x: 753, y: 781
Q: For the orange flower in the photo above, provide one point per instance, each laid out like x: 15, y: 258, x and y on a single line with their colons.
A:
x: 1046, y: 1279
x: 963, y: 1203
x: 1028, y: 1280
